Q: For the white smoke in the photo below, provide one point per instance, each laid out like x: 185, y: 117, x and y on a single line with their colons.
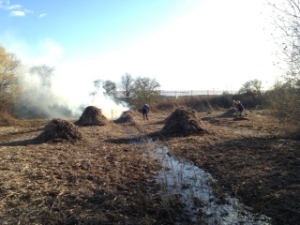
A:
x: 71, y: 83
x: 64, y: 97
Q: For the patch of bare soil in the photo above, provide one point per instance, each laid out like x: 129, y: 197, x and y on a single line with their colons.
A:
x: 104, y: 178
x: 92, y: 116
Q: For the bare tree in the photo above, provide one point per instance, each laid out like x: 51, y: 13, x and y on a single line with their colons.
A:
x: 126, y: 84
x: 9, y: 88
x: 287, y: 36
x: 44, y: 72
x: 145, y: 90
x: 109, y: 87
x: 97, y: 86
x: 287, y: 25
x: 252, y: 87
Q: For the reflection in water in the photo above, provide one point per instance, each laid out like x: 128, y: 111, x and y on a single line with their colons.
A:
x: 191, y: 184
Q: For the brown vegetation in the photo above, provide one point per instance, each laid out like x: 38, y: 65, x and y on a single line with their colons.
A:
x: 126, y: 116
x: 229, y: 113
x: 182, y: 122
x: 92, y: 116
x: 58, y: 130
x: 104, y: 178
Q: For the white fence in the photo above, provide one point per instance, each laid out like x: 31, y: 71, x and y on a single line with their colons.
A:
x: 192, y: 93
x: 176, y: 93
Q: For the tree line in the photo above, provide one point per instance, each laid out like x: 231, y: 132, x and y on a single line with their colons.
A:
x: 136, y: 91
x: 283, y: 98
x: 15, y: 94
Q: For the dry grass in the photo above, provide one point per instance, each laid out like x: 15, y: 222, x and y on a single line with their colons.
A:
x: 126, y: 116
x: 257, y: 160
x: 182, y: 122
x: 93, y: 181
x: 105, y: 179
x: 92, y: 116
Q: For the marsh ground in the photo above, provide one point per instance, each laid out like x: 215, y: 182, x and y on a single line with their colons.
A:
x: 105, y: 179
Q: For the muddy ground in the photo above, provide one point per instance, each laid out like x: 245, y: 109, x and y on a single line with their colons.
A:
x: 105, y: 178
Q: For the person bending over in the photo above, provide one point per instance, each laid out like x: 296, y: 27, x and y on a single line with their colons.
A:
x: 145, y: 110
x: 239, y: 107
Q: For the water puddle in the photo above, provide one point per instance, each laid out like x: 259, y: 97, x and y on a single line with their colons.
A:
x: 192, y: 185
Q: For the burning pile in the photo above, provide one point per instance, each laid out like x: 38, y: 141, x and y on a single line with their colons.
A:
x: 182, y: 122
x: 126, y: 116
x: 58, y: 130
x: 92, y: 116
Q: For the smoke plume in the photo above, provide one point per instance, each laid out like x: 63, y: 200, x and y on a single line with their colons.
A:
x: 46, y: 95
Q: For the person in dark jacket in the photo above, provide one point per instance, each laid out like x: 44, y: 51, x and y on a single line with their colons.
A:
x: 239, y: 107
x: 145, y: 110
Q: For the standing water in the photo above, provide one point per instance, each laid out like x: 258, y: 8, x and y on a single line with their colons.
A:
x: 190, y: 182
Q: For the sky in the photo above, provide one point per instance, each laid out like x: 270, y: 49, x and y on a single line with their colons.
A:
x: 183, y: 44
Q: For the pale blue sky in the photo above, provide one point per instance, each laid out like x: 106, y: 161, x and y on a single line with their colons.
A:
x: 183, y: 44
